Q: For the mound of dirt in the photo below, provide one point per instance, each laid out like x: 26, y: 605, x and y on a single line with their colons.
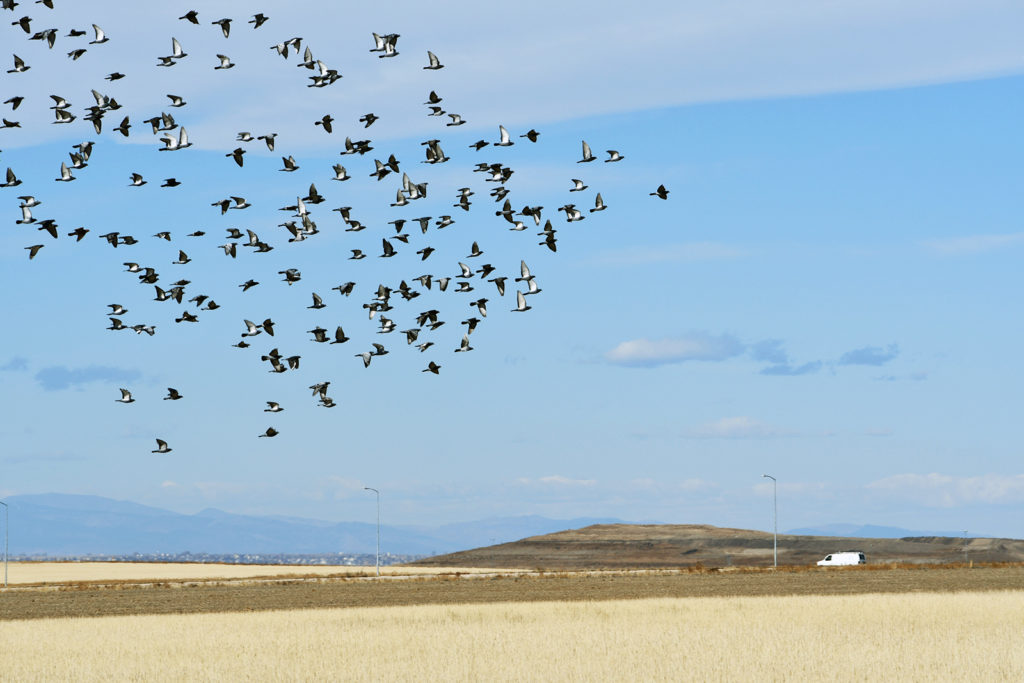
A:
x: 619, y: 546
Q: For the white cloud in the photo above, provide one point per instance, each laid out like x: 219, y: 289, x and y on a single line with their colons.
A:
x: 975, y: 244
x: 736, y: 428
x: 693, y: 346
x: 943, y: 490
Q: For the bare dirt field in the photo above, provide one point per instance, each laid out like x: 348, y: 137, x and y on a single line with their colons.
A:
x: 85, y: 600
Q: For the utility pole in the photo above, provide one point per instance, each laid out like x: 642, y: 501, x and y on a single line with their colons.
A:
x: 367, y: 488
x: 775, y: 517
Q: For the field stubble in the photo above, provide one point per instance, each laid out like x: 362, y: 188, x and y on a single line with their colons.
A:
x: 914, y: 637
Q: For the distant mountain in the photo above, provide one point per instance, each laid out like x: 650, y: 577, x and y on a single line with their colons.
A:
x: 872, y: 531
x: 62, y: 524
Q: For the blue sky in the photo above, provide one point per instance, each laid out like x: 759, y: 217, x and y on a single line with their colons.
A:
x: 829, y: 294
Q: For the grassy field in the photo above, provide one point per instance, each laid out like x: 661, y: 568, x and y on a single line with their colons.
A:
x: 28, y: 573
x: 907, y: 637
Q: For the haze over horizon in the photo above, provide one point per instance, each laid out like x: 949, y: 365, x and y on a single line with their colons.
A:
x: 829, y: 295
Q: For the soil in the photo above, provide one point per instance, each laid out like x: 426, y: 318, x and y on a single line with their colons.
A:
x: 240, y: 596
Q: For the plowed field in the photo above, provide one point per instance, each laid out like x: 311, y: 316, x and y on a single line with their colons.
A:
x: 240, y: 596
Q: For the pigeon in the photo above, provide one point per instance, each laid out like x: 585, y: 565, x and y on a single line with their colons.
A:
x: 126, y: 397
x: 225, y: 26
x: 434, y: 63
x: 432, y: 366
x: 100, y: 36
x: 19, y: 66
x: 613, y: 156
x: 520, y: 303
x: 172, y: 394
x: 326, y: 123
x: 258, y: 20
x: 505, y: 141
x: 270, y: 433
x: 192, y: 16
x: 162, y: 447
x: 225, y: 62
x: 273, y: 407
x: 587, y: 155
x: 661, y: 192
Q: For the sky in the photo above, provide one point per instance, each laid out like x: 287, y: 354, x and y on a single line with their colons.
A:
x: 828, y: 295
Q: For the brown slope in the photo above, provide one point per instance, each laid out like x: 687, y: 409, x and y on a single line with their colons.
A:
x: 679, y: 545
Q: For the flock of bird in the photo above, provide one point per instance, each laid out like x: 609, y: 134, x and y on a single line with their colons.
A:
x: 379, y: 299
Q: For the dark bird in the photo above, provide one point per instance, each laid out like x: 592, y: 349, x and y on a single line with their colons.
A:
x: 172, y: 394
x: 661, y: 192
x: 432, y: 367
x: 225, y: 26
x: 326, y: 123
x: 258, y: 20
x: 192, y: 16
x: 271, y: 432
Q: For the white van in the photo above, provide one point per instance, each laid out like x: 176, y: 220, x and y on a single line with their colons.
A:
x: 843, y: 559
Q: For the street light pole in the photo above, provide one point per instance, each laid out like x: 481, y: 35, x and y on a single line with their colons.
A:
x: 775, y: 516
x: 7, y: 524
x: 367, y: 488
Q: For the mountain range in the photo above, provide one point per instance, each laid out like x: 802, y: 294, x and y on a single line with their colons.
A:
x: 66, y: 525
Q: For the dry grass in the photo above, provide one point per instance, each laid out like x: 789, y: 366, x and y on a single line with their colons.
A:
x: 907, y: 637
x: 37, y: 573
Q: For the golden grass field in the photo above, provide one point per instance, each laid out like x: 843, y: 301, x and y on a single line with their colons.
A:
x: 27, y: 573
x: 906, y: 637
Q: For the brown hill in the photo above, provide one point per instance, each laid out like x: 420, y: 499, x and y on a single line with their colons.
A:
x: 679, y: 545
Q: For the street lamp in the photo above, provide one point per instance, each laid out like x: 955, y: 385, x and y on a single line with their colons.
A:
x: 367, y: 488
x: 7, y: 524
x: 775, y: 508
x: 965, y: 545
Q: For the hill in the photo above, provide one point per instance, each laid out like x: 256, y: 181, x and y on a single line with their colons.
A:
x: 675, y: 545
